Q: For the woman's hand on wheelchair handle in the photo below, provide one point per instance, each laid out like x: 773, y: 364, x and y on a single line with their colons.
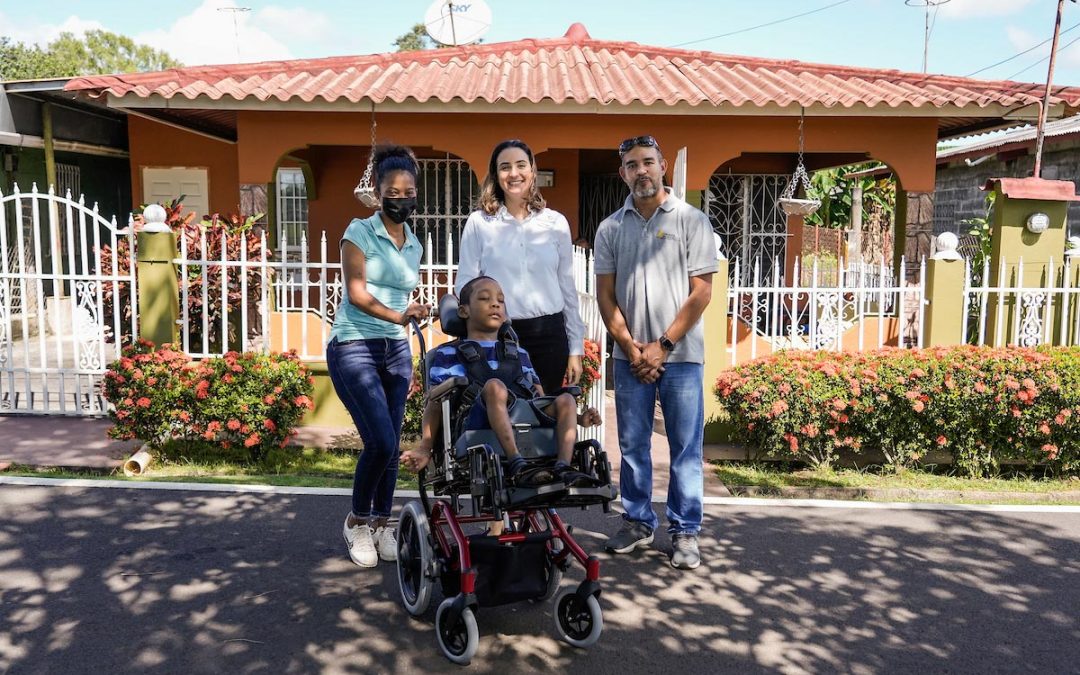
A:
x: 415, y: 312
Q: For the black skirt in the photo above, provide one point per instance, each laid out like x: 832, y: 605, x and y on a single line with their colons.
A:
x: 545, y: 339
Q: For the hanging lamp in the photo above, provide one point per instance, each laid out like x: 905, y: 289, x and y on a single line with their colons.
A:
x: 365, y: 189
x: 788, y: 202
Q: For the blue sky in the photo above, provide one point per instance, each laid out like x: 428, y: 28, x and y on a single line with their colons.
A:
x: 968, y: 34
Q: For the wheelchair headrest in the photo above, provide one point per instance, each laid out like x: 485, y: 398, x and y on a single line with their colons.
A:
x: 451, y: 323
x: 454, y: 326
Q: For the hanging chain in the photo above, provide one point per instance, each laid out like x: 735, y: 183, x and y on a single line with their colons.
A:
x: 365, y: 181
x: 800, y: 175
x: 365, y: 190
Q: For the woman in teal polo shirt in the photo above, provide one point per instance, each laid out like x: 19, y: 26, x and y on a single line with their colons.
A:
x: 368, y: 355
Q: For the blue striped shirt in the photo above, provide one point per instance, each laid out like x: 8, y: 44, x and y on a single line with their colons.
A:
x: 446, y: 363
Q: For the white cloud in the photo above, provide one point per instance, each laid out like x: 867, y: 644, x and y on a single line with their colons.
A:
x: 1021, y: 39
x: 299, y: 23
x: 209, y: 35
x: 972, y: 9
x: 42, y: 34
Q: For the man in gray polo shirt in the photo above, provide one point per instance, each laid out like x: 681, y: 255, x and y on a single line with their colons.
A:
x: 654, y: 260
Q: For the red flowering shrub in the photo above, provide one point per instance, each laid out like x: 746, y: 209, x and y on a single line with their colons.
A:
x: 590, y: 368
x: 250, y: 400
x: 984, y: 406
x: 199, y: 240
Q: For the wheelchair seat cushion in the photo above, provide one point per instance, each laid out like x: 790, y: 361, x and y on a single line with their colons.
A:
x: 529, y: 412
x: 533, y: 437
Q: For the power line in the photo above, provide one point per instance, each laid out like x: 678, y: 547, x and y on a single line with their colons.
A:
x: 1043, y: 59
x: 763, y: 25
x: 1019, y: 54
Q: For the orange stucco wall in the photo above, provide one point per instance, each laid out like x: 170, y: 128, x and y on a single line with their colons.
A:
x: 334, y: 143
x: 156, y: 145
x: 906, y: 144
x: 563, y: 196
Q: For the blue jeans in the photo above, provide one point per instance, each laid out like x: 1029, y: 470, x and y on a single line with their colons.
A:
x: 371, y: 378
x: 683, y: 405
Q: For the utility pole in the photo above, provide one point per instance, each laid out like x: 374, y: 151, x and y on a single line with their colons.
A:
x: 1040, y: 130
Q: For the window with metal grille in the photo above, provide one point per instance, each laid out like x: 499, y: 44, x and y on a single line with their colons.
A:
x: 68, y: 180
x: 745, y: 213
x: 446, y: 192
x: 292, y: 208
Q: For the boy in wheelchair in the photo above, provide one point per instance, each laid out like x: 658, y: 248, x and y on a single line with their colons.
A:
x: 500, y: 377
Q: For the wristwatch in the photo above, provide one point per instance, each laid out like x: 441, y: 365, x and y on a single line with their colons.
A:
x: 666, y: 344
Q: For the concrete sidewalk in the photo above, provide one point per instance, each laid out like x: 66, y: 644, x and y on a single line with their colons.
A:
x: 38, y: 440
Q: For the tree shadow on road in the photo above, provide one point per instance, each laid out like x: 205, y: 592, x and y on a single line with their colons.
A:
x: 139, y: 581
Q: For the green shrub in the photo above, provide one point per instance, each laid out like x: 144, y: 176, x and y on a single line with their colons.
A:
x: 984, y: 406
x: 414, y: 405
x: 244, y: 403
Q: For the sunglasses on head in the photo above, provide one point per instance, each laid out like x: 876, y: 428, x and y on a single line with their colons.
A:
x: 639, y: 141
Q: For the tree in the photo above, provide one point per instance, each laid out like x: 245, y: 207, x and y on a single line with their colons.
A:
x: 416, y: 39
x: 19, y: 62
x: 100, y: 51
x: 94, y: 53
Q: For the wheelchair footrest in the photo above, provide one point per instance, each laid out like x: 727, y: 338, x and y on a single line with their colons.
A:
x: 523, y: 496
x: 588, y: 496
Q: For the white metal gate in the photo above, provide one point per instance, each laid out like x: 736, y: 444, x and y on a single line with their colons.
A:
x: 67, y: 302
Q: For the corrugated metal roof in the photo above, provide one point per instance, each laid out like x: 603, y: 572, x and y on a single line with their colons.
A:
x: 572, y: 69
x: 1017, y: 137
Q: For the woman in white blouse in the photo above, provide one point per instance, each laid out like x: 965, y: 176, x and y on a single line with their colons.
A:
x: 525, y: 246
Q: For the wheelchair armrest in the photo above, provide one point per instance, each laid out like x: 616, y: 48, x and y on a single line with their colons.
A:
x: 446, y: 387
x: 573, y: 390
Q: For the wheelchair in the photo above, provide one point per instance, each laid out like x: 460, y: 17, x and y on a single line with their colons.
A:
x: 524, y: 563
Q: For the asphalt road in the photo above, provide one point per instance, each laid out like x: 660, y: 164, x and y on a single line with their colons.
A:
x: 132, y: 581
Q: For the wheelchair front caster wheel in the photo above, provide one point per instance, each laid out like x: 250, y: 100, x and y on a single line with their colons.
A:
x: 458, y: 635
x: 578, y: 622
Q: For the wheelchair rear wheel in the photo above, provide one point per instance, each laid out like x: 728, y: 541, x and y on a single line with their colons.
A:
x: 578, y: 622
x: 415, y: 559
x: 457, y: 633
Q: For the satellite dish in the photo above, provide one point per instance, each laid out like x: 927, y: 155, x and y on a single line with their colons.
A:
x: 457, y: 22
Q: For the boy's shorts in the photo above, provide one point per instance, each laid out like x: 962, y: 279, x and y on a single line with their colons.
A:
x: 478, y: 414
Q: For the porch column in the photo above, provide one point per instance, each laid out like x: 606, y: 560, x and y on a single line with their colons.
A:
x: 715, y: 320
x: 945, y: 318
x: 918, y: 229
x: 159, y: 291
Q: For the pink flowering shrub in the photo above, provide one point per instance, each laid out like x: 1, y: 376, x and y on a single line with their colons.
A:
x: 984, y: 406
x: 247, y: 403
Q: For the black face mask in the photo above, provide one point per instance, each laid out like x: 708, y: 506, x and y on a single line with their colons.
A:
x: 398, y: 209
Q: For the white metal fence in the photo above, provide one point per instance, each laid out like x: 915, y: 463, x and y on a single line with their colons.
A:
x: 278, y: 302
x: 1039, y: 304
x: 860, y: 308
x: 67, y: 302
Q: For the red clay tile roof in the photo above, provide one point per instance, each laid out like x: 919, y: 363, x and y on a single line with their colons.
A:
x: 1035, y: 188
x: 573, y: 68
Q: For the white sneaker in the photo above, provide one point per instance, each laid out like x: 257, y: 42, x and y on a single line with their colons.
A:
x: 361, y: 546
x: 386, y: 543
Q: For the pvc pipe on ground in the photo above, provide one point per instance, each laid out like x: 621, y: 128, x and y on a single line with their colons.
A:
x: 137, y: 464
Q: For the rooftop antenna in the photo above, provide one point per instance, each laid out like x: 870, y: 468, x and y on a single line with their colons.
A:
x: 235, y: 26
x: 457, y: 23
x: 929, y: 26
